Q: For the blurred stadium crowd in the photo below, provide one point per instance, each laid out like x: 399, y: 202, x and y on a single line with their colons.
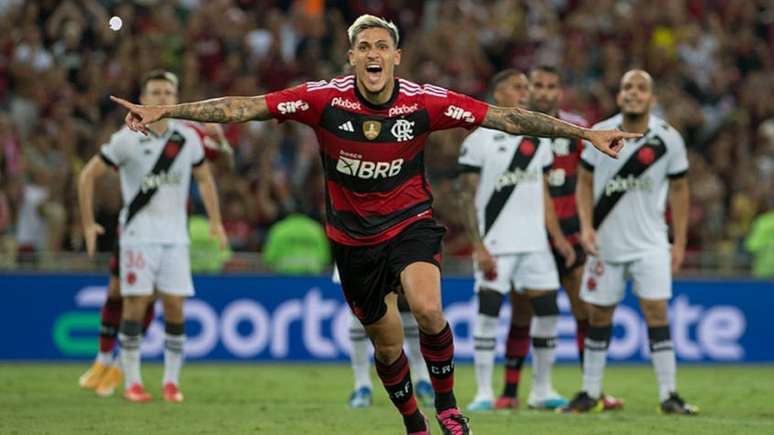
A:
x: 712, y: 61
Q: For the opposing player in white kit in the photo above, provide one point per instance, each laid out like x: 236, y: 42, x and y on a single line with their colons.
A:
x: 621, y: 205
x: 155, y: 172
x: 507, y: 220
x: 360, y: 358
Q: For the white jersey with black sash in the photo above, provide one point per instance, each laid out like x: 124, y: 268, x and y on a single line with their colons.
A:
x: 509, y: 199
x: 630, y: 192
x: 155, y: 172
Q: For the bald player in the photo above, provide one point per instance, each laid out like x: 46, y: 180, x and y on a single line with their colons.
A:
x: 621, y: 205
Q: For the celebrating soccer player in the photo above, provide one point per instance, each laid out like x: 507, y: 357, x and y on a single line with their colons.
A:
x: 545, y: 94
x: 372, y: 128
x: 155, y: 172
x: 621, y: 205
x: 505, y: 200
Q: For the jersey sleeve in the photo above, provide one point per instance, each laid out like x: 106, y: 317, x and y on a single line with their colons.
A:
x: 297, y: 103
x: 449, y: 109
x: 197, y: 150
x: 678, y: 156
x: 471, y: 157
x: 115, y: 152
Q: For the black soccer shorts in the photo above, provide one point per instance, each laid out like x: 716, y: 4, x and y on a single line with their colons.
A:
x: 369, y: 273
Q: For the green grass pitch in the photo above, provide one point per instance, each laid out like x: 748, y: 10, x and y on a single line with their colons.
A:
x: 311, y: 399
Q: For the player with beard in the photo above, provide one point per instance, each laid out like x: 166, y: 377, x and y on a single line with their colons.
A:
x: 621, y: 205
x: 372, y: 128
x: 545, y: 96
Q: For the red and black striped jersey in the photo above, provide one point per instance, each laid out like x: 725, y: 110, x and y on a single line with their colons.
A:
x: 563, y: 178
x: 373, y: 155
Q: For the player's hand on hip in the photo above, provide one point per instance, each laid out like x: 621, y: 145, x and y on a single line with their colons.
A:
x: 139, y: 116
x: 485, y: 262
x: 678, y: 256
x: 566, y: 250
x: 218, y: 233
x: 90, y: 233
x: 609, y: 142
x: 588, y: 240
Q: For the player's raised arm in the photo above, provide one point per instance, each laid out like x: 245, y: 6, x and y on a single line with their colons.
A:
x: 519, y: 121
x: 221, y: 110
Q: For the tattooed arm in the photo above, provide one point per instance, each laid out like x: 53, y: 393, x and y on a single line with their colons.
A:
x: 468, y: 186
x: 221, y: 110
x: 518, y: 121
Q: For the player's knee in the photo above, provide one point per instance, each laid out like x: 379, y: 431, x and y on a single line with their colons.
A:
x: 600, y: 315
x: 134, y: 308
x: 545, y: 304
x: 489, y: 302
x: 429, y: 318
x: 655, y: 312
x: 387, y: 353
x: 173, y: 308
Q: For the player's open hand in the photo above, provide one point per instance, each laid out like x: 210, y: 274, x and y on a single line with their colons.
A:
x: 485, y: 262
x: 609, y: 142
x: 218, y: 233
x: 588, y: 239
x: 139, y: 116
x: 565, y: 250
x: 90, y: 233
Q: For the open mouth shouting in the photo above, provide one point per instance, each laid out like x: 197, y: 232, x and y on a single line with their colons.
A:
x: 374, y: 73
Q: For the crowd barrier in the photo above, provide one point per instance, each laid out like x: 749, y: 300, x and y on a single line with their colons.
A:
x: 270, y: 318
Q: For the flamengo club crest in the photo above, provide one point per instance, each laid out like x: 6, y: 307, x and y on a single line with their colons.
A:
x: 403, y: 130
x: 371, y: 129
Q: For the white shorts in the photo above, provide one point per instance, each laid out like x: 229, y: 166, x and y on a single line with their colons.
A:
x: 604, y: 283
x: 166, y: 267
x: 528, y: 270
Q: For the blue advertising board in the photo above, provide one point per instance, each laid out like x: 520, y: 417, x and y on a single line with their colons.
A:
x: 53, y: 317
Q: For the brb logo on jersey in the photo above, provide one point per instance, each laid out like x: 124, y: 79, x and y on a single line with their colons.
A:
x: 354, y: 165
x: 455, y: 112
x: 292, y: 106
x: 515, y: 177
x: 403, y: 130
x: 621, y: 184
x: 154, y: 181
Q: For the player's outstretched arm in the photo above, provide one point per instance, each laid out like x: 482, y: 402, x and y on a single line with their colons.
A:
x: 221, y: 110
x: 91, y: 229
x: 518, y: 121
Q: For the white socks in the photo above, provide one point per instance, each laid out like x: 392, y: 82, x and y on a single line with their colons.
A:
x: 359, y: 354
x: 484, y: 344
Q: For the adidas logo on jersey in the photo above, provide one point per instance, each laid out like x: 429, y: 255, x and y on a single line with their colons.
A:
x: 347, y: 126
x: 621, y: 184
x: 509, y: 178
x: 368, y: 170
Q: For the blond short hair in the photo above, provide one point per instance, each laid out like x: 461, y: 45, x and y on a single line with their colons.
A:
x: 366, y: 21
